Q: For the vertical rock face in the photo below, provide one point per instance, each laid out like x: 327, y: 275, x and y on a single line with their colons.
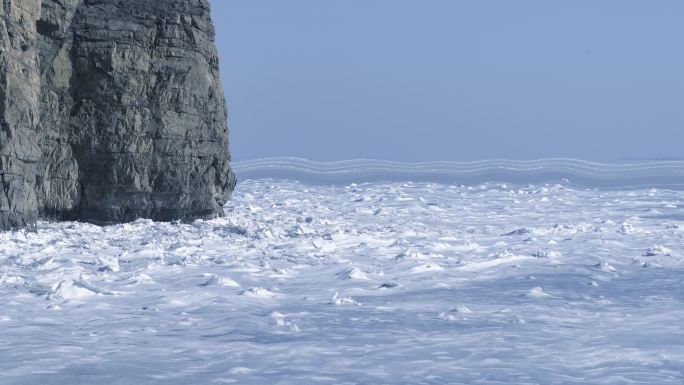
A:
x: 111, y: 111
x: 19, y: 113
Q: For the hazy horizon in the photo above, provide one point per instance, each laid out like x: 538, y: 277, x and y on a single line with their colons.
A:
x: 452, y: 80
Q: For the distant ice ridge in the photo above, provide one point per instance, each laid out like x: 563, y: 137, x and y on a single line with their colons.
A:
x: 657, y: 174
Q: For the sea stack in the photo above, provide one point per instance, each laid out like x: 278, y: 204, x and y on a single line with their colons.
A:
x: 110, y: 111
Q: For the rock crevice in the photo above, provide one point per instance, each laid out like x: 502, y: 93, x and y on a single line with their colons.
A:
x: 110, y: 111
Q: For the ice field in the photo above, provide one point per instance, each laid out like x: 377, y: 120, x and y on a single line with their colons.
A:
x: 379, y: 282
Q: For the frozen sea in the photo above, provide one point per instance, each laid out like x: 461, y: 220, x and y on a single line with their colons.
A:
x: 547, y: 272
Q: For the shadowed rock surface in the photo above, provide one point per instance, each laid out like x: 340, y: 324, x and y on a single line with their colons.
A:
x: 111, y: 111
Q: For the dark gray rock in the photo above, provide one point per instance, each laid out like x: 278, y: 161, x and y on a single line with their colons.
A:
x: 19, y: 113
x: 111, y: 111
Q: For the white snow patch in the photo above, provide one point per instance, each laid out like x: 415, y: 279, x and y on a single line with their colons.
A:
x: 353, y: 273
x: 484, y: 265
x: 216, y: 280
x: 428, y: 267
x: 606, y: 267
x: 258, y: 292
x: 537, y: 292
x: 657, y: 250
x: 337, y: 300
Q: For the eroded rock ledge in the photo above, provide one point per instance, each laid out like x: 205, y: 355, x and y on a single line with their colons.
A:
x: 110, y: 110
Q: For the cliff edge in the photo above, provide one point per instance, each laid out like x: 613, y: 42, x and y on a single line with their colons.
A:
x: 110, y: 111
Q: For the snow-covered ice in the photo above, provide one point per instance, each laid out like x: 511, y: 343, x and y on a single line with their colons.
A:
x: 375, y: 283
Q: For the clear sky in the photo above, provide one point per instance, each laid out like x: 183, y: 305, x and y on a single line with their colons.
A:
x: 417, y: 80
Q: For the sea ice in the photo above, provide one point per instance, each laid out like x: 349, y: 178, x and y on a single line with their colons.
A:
x: 383, y: 282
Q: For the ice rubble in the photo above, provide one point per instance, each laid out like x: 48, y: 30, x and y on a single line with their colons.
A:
x: 364, y: 283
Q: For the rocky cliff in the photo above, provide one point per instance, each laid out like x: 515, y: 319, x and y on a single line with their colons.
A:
x: 110, y: 110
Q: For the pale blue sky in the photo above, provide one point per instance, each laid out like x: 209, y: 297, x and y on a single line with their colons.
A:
x: 417, y: 80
